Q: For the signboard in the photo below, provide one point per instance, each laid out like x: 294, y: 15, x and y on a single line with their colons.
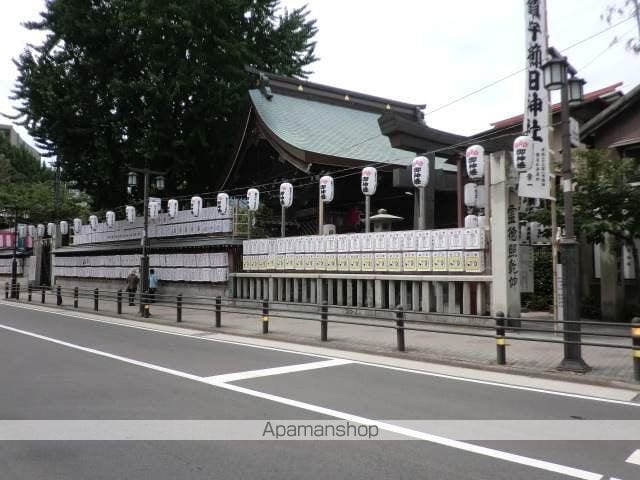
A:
x: 534, y: 183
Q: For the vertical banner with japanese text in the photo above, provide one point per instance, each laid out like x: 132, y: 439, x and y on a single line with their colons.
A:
x: 535, y: 182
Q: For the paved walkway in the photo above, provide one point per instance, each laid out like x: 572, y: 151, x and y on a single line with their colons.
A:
x: 608, y: 364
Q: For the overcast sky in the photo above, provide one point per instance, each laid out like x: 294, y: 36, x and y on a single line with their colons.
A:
x: 421, y: 51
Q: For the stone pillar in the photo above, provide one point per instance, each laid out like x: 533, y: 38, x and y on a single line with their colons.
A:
x: 505, y: 263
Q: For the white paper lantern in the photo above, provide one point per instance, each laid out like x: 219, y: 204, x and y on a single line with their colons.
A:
x: 130, y: 211
x: 326, y: 189
x: 51, y: 229
x: 483, y: 221
x: 420, y: 172
x: 196, y: 206
x: 93, y: 222
x: 286, y: 194
x: 22, y: 231
x: 471, y: 221
x: 523, y: 153
x: 253, y: 197
x: 111, y: 218
x: 32, y: 230
x: 475, y: 162
x: 77, y: 226
x: 222, y: 203
x: 41, y: 230
x: 369, y: 181
x: 470, y: 194
x: 154, y: 209
x: 172, y: 208
x: 64, y: 227
x: 481, y: 197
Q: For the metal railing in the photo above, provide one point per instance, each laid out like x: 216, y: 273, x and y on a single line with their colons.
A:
x: 504, y: 328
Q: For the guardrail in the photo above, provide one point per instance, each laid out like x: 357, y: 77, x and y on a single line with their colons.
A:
x: 264, y: 310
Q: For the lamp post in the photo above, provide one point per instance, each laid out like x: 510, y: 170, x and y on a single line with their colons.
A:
x: 555, y: 73
x: 132, y: 181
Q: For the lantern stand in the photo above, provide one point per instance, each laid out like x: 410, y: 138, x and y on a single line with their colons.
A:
x: 367, y: 213
x: 132, y: 180
x: 555, y: 77
x: 283, y: 219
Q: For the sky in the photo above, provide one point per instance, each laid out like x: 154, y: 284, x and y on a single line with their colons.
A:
x: 420, y: 51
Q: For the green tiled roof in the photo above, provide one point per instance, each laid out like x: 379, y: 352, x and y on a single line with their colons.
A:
x: 327, y: 129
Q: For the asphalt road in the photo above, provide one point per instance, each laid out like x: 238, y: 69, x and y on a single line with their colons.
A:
x: 60, y: 366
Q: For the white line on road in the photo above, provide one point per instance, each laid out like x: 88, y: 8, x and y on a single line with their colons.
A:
x: 468, y: 447
x: 265, y: 372
x: 634, y: 457
x: 370, y: 364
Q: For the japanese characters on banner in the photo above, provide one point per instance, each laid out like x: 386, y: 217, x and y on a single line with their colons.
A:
x: 534, y: 182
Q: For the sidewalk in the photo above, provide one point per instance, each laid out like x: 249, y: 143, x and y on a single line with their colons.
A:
x: 608, y: 365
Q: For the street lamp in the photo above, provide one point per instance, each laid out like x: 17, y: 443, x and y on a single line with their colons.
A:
x: 555, y: 73
x: 132, y: 181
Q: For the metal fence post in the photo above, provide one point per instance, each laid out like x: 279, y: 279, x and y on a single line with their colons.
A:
x: 44, y: 292
x: 218, y: 311
x: 96, y: 297
x: 179, y: 308
x: 29, y: 291
x: 635, y: 338
x: 265, y: 317
x: 58, y: 295
x: 17, y: 291
x: 400, y: 328
x: 119, y: 301
x: 324, y: 315
x: 501, y: 346
x: 75, y: 297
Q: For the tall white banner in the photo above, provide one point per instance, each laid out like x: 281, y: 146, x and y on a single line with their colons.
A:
x: 535, y: 182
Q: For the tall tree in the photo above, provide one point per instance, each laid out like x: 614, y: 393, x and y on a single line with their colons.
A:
x: 607, y: 200
x: 28, y: 186
x: 119, y: 82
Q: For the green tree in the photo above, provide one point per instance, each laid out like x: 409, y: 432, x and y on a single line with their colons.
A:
x: 607, y: 200
x: 162, y: 82
x: 28, y: 186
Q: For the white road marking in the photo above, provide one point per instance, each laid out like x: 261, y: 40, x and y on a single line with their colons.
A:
x: 370, y: 364
x: 265, y: 372
x: 464, y: 446
x: 634, y: 457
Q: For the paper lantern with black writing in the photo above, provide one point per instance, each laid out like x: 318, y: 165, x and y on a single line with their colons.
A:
x: 196, y: 206
x: 93, y: 222
x: 326, y: 189
x: 222, y: 203
x: 154, y: 209
x: 77, y: 226
x: 523, y: 153
x: 172, y: 208
x: 475, y: 162
x: 470, y: 194
x: 22, y: 231
x: 51, y: 229
x: 369, y: 180
x: 41, y: 230
x: 130, y: 211
x: 32, y: 230
x: 64, y: 227
x: 286, y: 195
x: 471, y: 221
x: 420, y: 172
x: 253, y: 199
x: 111, y: 218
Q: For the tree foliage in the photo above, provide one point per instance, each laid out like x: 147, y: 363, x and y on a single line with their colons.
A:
x: 621, y: 10
x: 27, y: 186
x: 120, y: 82
x: 607, y: 199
